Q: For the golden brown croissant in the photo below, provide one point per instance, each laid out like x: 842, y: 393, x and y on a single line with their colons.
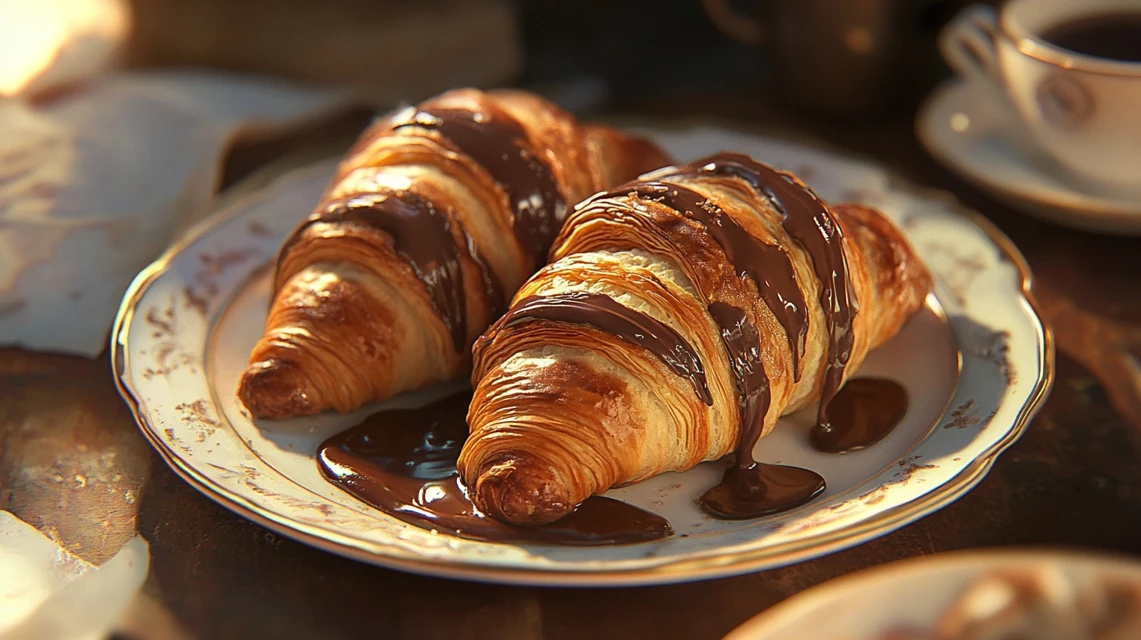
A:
x: 433, y: 219
x: 683, y: 315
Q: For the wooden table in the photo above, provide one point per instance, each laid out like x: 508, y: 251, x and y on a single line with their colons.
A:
x: 73, y: 464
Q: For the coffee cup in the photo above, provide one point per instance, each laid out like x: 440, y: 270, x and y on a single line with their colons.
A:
x: 853, y: 57
x: 1072, y: 72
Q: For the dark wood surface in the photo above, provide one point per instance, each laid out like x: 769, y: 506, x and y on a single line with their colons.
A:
x: 73, y: 464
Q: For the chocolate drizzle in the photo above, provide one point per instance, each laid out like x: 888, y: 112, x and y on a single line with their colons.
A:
x: 862, y: 413
x: 496, y: 140
x: 768, y: 265
x: 749, y: 489
x: 423, y: 237
x: 404, y: 463
x: 604, y: 314
x: 809, y: 222
x: 753, y: 394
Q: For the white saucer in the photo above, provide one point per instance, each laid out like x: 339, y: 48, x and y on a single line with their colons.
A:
x: 963, y: 127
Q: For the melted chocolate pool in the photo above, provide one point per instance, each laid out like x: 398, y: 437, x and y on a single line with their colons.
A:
x: 861, y: 414
x: 403, y: 462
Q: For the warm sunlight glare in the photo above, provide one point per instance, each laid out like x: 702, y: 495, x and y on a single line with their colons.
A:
x: 49, y: 42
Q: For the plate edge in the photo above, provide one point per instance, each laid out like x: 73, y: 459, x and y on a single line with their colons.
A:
x: 671, y: 572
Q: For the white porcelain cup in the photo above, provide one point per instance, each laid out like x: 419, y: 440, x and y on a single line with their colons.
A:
x: 1083, y: 111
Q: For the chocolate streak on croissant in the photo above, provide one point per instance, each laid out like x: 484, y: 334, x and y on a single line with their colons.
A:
x: 768, y: 265
x: 422, y: 236
x: 604, y: 314
x: 809, y: 222
x: 738, y: 335
x: 749, y: 489
x: 497, y: 141
x: 753, y: 394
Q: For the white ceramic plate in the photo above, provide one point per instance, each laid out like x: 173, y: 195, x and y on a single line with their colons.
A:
x: 976, y: 363
x: 915, y: 593
x: 966, y: 129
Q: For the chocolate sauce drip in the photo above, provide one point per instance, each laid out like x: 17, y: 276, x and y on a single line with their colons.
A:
x: 753, y: 394
x: 497, y: 141
x: 768, y: 265
x: 604, y: 314
x: 422, y: 236
x: 862, y: 413
x: 750, y: 489
x: 809, y: 222
x: 403, y: 462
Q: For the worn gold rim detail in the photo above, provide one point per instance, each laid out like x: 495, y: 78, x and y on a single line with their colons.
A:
x: 731, y: 563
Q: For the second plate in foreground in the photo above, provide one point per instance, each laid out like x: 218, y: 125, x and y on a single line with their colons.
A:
x: 994, y: 593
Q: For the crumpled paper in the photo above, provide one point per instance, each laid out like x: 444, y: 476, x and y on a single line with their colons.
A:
x: 47, y: 593
x: 93, y: 184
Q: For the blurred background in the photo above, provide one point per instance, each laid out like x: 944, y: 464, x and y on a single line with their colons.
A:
x: 824, y: 58
x: 828, y: 67
x: 125, y: 118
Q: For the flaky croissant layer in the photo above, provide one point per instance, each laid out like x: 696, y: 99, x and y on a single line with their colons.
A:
x: 680, y: 312
x: 430, y: 223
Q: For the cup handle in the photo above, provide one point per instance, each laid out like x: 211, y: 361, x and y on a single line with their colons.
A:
x: 967, y: 43
x: 741, y: 28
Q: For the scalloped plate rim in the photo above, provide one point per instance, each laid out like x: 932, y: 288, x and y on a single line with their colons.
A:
x: 740, y: 561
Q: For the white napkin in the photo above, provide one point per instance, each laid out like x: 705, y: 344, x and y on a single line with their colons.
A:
x: 92, y: 185
x: 47, y: 593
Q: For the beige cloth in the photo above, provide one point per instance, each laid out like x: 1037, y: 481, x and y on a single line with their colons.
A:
x: 93, y: 184
x: 99, y: 168
x: 47, y: 593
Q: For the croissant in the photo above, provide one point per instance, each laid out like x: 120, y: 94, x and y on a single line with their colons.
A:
x: 681, y: 316
x: 431, y: 221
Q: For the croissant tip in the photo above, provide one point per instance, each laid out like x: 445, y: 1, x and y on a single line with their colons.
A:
x: 520, y: 489
x: 275, y: 390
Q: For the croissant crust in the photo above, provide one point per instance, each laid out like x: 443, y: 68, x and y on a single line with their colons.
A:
x: 432, y: 220
x: 574, y: 396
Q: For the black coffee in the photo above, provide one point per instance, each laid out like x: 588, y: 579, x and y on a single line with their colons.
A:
x: 1109, y: 35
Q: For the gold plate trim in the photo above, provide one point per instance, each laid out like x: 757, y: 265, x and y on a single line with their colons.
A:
x: 732, y: 563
